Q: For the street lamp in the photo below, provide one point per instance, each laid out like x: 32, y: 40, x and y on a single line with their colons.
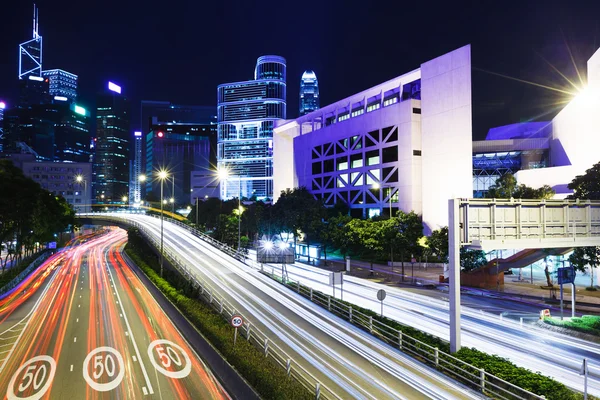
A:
x: 378, y: 186
x: 162, y: 175
x: 79, y: 179
x: 223, y: 174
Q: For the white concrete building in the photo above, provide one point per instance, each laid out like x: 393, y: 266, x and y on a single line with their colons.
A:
x: 404, y: 144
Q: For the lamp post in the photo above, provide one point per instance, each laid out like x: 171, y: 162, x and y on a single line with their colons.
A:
x: 141, y: 179
x: 223, y: 175
x: 162, y: 175
x: 79, y: 179
x: 378, y: 186
x: 172, y: 199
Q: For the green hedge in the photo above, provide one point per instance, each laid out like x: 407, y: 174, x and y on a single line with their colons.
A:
x: 11, y: 273
x: 497, y: 366
x: 263, y: 374
x: 589, y: 324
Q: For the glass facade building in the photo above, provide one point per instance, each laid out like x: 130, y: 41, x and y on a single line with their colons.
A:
x: 246, y: 113
x: 53, y: 132
x: 111, y: 163
x: 181, y: 149
x: 309, y: 92
x: 61, y: 83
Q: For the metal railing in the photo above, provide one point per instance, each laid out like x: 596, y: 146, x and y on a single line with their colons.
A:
x: 249, y: 331
x: 461, y: 371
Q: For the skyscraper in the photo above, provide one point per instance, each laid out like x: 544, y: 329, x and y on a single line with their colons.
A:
x: 309, y: 92
x: 62, y: 84
x: 2, y: 107
x: 111, y: 164
x: 181, y: 149
x: 30, y: 52
x: 246, y: 112
x: 135, y: 186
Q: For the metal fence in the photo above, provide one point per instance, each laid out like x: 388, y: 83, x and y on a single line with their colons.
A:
x: 488, y: 384
x: 250, y: 332
x: 17, y: 279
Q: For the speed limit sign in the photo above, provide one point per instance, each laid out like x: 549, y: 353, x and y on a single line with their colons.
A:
x: 237, y: 321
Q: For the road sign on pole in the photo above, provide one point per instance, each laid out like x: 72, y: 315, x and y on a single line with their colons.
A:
x: 584, y: 372
x: 236, y: 322
x: 337, y: 278
x: 381, y: 296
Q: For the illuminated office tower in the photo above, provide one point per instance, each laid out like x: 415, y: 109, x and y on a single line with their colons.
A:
x: 62, y: 84
x: 2, y: 107
x: 135, y: 185
x: 309, y: 92
x: 30, y: 52
x: 246, y: 112
x: 111, y: 174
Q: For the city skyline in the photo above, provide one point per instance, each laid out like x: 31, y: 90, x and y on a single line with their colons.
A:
x: 525, y: 55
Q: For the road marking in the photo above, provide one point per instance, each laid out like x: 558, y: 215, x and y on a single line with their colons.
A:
x: 134, y: 358
x: 137, y: 351
x: 117, y: 302
x: 126, y: 333
x: 75, y: 339
x: 144, y: 390
x: 34, y: 308
x: 77, y: 320
x: 37, y: 364
x: 121, y: 315
x: 106, y: 368
x: 78, y: 305
x: 79, y: 296
x: 71, y: 367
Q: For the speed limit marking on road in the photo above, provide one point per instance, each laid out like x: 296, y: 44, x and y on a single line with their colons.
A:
x: 237, y: 321
x: 106, y: 366
x: 173, y: 362
x: 32, y: 380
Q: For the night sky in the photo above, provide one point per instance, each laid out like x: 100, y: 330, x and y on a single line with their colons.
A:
x: 180, y: 51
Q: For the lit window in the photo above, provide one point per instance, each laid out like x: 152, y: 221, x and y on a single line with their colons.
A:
x: 358, y: 112
x: 389, y: 102
x: 343, y: 117
x: 374, y: 212
x: 342, y: 166
x: 355, y: 175
x: 373, y: 107
x: 373, y: 160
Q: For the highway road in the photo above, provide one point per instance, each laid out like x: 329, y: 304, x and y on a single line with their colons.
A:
x: 344, y: 358
x: 538, y: 349
x: 83, y: 326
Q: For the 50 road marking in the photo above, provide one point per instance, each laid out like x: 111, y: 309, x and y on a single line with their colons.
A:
x: 108, y: 362
x: 174, y: 361
x: 35, y: 382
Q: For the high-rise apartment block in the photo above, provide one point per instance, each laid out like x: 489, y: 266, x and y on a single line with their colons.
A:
x: 246, y: 113
x: 309, y: 92
x: 111, y: 164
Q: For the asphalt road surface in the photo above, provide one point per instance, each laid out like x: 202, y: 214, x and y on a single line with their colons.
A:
x: 83, y: 326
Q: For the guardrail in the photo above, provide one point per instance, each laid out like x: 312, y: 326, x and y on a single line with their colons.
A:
x: 461, y: 371
x: 17, y: 279
x: 487, y: 383
x: 250, y: 332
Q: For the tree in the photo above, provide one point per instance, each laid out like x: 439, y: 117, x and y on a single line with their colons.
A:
x: 471, y: 259
x: 364, y: 238
x: 583, y: 256
x: 297, y: 211
x: 438, y: 244
x: 586, y: 186
x: 507, y: 186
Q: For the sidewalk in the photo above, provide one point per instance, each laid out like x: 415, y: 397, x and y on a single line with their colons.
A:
x: 512, y: 289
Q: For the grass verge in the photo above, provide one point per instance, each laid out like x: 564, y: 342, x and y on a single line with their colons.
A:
x: 500, y: 367
x: 263, y: 374
x: 589, y: 324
